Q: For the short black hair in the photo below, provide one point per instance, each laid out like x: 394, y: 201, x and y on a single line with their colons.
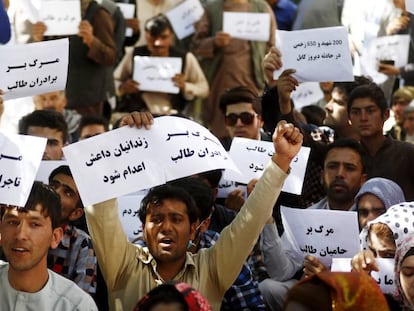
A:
x: 157, y: 24
x: 201, y: 193
x: 240, y: 94
x: 92, y: 120
x: 347, y: 87
x: 45, y: 118
x: 213, y: 177
x: 347, y: 143
x: 43, y: 195
x: 167, y: 191
x: 64, y: 170
x: 372, y: 91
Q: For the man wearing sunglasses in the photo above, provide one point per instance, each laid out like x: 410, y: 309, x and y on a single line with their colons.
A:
x: 242, y: 114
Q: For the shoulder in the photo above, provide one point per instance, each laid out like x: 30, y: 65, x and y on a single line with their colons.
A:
x: 66, y: 293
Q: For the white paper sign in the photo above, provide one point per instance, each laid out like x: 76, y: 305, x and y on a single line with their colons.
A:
x: 183, y: 17
x: 385, y: 276
x: 251, y: 157
x: 227, y: 186
x: 128, y: 11
x: 341, y: 265
x: 409, y: 5
x: 307, y: 93
x: 128, y: 207
x: 46, y: 167
x: 320, y: 54
x: 125, y: 160
x: 325, y: 234
x: 62, y: 17
x: 44, y: 69
x: 247, y: 26
x: 20, y: 156
x: 155, y: 74
x: 394, y: 48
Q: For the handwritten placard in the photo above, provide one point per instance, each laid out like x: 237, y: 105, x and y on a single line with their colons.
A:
x: 385, y: 276
x: 325, y: 234
x: 20, y: 156
x: 183, y: 17
x: 42, y: 70
x: 61, y: 17
x: 128, y: 207
x: 387, y: 48
x: 155, y: 74
x: 251, y: 157
x: 314, y: 52
x: 226, y: 186
x: 409, y: 5
x: 125, y: 160
x: 128, y: 10
x: 247, y: 26
x: 307, y: 93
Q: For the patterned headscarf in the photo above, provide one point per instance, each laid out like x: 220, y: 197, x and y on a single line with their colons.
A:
x: 399, y: 218
x: 194, y: 300
x: 349, y: 291
x: 402, y: 249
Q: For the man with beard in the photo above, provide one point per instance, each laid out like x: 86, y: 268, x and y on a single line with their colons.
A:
x: 342, y: 176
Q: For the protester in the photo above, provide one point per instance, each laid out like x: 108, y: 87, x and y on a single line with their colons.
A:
x: 404, y: 265
x: 382, y: 234
x: 90, y: 126
x: 229, y: 62
x: 375, y: 197
x: 48, y: 124
x: 169, y: 221
x: 384, y: 157
x: 27, y: 233
x: 191, y: 81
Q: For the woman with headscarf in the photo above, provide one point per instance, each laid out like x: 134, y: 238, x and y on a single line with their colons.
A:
x: 375, y: 197
x: 383, y: 234
x: 404, y: 273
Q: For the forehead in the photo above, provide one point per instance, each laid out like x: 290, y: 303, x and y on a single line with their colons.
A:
x: 51, y: 95
x: 239, y: 107
x: 338, y: 94
x: 363, y: 102
x: 167, y: 207
x: 66, y: 181
x: 346, y: 155
x: 36, y: 213
x: 165, y: 32
x: 46, y: 132
x: 93, y: 128
x: 368, y: 200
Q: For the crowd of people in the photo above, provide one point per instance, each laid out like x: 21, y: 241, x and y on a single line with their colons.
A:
x: 199, y: 251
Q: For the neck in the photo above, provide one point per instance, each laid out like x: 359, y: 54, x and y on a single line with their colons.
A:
x: 168, y: 270
x: 30, y: 281
x: 340, y: 206
x: 373, y: 143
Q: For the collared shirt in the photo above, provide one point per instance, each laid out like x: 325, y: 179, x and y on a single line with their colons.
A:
x: 75, y: 259
x: 244, y: 294
x: 130, y: 271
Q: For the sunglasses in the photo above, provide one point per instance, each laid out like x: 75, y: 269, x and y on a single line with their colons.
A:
x: 245, y: 117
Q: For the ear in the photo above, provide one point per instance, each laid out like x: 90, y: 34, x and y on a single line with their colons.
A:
x: 56, y: 237
x: 193, y: 228
x: 364, y: 178
x: 76, y: 214
x: 260, y: 120
x: 144, y: 233
x: 386, y: 114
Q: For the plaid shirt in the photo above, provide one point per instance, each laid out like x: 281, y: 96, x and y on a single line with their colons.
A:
x: 75, y: 258
x: 244, y: 294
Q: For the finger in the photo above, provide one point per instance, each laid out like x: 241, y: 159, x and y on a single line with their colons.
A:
x: 147, y: 119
